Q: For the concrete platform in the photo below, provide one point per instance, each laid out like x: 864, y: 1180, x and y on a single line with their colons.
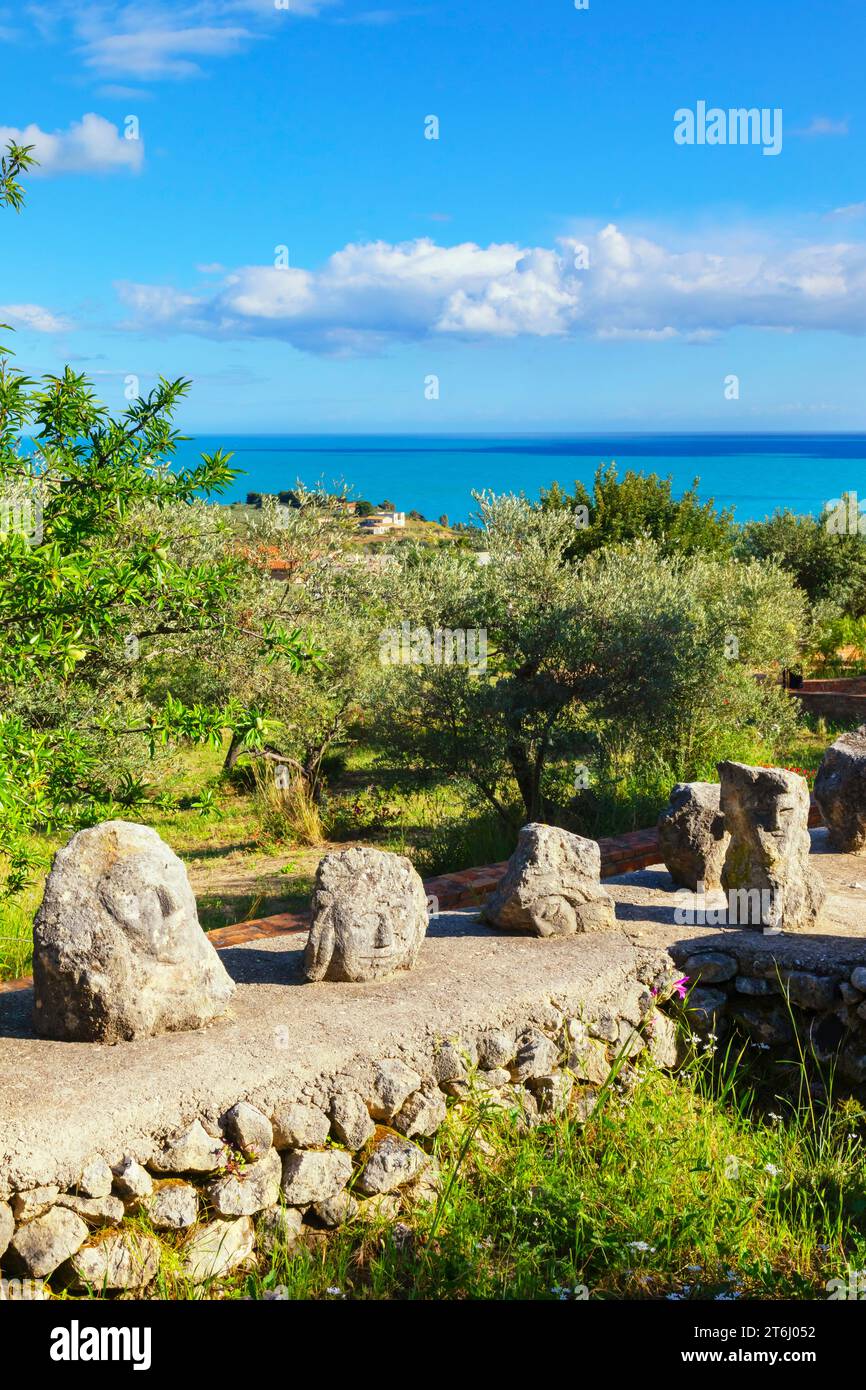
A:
x: 286, y: 1039
x: 61, y: 1103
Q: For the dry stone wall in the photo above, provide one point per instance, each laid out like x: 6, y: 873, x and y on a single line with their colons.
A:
x: 767, y: 996
x: 227, y: 1190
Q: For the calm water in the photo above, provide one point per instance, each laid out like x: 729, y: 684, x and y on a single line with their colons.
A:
x: 755, y: 474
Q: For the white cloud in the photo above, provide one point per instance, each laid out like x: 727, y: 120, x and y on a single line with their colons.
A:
x: 850, y: 212
x: 161, y: 52
x: 114, y: 91
x: 33, y: 316
x: 824, y: 125
x: 156, y: 40
x: 370, y: 295
x: 90, y: 146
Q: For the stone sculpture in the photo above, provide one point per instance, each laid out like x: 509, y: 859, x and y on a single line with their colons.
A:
x: 840, y: 791
x: 369, y: 916
x: 552, y: 886
x: 118, y: 952
x: 767, y: 874
x: 692, y: 835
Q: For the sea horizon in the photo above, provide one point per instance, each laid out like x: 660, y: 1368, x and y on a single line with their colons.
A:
x: 753, y: 473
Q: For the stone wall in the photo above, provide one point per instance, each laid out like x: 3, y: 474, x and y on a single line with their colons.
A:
x: 229, y: 1187
x: 767, y: 993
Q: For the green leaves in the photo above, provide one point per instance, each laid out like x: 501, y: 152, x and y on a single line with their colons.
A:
x: 17, y: 160
x: 97, y: 591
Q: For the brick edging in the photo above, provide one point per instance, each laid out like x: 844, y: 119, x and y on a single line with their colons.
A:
x: 620, y: 854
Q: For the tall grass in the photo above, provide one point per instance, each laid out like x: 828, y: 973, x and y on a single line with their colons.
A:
x: 287, y: 812
x: 16, y: 937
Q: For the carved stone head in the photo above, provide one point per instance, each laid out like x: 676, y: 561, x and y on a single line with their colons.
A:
x: 369, y: 916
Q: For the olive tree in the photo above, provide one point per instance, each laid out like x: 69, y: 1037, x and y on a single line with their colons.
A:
x: 631, y: 648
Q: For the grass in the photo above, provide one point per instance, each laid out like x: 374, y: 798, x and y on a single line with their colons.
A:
x: 715, y: 1183
x: 16, y: 936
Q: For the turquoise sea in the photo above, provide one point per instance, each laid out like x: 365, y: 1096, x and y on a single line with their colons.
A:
x: 754, y: 474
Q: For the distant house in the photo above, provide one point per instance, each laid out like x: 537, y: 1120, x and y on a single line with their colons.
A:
x: 380, y: 522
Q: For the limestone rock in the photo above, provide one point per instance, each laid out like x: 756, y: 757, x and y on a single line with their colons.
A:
x: 769, y: 1026
x: 217, y: 1248
x: 752, y: 985
x: 172, y: 1207
x: 351, y: 1120
x: 710, y: 967
x: 131, y: 1180
x: 118, y: 952
x: 767, y: 868
x: 551, y: 886
x: 553, y: 1092
x: 369, y: 916
x: 840, y: 791
x: 810, y: 991
x: 299, y: 1126
x: 692, y: 835
x: 450, y: 1063
x: 7, y: 1226
x: 194, y: 1151
x: 426, y: 1187
x: 336, y: 1211
x: 536, y: 1056
x: 423, y: 1112
x: 495, y: 1049
x: 491, y: 1081
x: 124, y: 1260
x: 278, y: 1228
x: 704, y: 1008
x: 96, y: 1211
x: 314, y: 1177
x: 36, y: 1202
x: 393, y: 1163
x: 41, y: 1246
x: 393, y: 1083
x: 547, y: 1016
x: 383, y: 1207
x: 249, y: 1191
x: 96, y: 1179
x: 588, y: 1061
x: 663, y: 1042
x: 631, y: 1041
x: 604, y: 1027
x: 248, y: 1129
x: 528, y: 1107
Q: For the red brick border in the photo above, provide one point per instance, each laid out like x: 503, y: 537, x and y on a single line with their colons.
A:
x: 620, y: 854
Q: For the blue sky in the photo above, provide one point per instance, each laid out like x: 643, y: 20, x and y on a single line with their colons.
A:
x: 262, y: 127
